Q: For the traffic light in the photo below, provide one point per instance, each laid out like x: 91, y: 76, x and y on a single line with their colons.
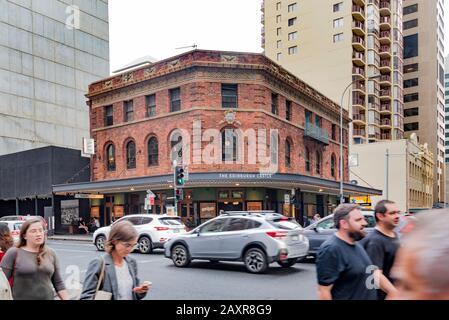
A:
x: 179, y: 194
x: 179, y: 176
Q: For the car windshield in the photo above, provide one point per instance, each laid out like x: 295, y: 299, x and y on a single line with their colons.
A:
x: 285, y: 223
x: 171, y: 221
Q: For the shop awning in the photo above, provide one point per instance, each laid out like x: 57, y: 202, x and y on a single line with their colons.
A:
x: 225, y: 179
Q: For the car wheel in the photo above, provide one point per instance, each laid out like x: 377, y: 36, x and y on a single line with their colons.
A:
x: 287, y: 263
x: 180, y: 256
x: 302, y: 259
x: 145, y: 245
x: 256, y: 260
x: 99, y: 243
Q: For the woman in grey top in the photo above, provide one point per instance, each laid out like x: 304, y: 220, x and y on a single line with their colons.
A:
x: 33, y: 266
x: 120, y: 275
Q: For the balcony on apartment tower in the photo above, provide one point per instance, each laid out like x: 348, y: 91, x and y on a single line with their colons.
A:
x: 358, y: 43
x: 385, y: 52
x: 385, y: 23
x: 358, y: 28
x: 385, y: 108
x: 358, y: 118
x: 384, y: 8
x: 385, y: 37
x: 358, y: 13
x: 386, y: 122
x: 385, y: 65
x: 358, y: 59
x: 358, y: 71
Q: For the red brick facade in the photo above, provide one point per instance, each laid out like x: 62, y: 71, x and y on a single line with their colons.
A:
x: 199, y: 75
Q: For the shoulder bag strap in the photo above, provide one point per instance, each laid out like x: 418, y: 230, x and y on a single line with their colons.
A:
x: 100, y: 279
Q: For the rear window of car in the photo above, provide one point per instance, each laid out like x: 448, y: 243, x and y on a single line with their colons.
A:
x: 17, y: 226
x: 285, y: 223
x: 171, y: 221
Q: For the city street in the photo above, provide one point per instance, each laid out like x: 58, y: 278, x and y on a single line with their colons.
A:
x: 202, y: 280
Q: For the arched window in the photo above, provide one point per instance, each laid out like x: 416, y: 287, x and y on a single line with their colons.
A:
x: 307, y: 159
x: 153, y: 152
x: 333, y: 163
x: 318, y: 163
x: 110, y: 157
x: 229, y: 145
x: 130, y: 155
x: 288, y: 149
x: 176, y: 147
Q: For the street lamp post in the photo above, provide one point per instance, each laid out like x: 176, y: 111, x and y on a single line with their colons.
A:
x: 342, y: 199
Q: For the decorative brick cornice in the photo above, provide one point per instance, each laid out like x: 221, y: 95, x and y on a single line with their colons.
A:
x: 213, y: 59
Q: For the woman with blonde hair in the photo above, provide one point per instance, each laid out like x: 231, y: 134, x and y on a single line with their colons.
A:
x: 116, y: 272
x: 32, y: 266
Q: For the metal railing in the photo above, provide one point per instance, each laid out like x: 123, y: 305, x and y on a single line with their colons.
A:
x: 317, y: 133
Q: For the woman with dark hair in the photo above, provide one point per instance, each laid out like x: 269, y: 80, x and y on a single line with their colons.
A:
x: 32, y: 266
x: 116, y: 272
x: 6, y: 240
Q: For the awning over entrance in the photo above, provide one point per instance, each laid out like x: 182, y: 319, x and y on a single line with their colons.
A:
x: 231, y: 179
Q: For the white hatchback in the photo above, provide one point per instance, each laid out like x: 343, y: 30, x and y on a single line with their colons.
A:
x: 153, y: 229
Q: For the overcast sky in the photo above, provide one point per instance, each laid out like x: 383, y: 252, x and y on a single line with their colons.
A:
x: 157, y: 27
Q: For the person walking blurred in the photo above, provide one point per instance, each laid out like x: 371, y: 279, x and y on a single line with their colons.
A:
x: 420, y: 268
x: 342, y: 263
x: 382, y: 245
x: 116, y: 272
x: 32, y: 266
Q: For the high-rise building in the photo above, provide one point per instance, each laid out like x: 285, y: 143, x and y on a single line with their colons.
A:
x: 446, y: 121
x: 50, y: 50
x: 424, y: 80
x: 339, y: 44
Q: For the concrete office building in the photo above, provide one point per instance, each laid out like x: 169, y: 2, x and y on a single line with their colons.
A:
x: 424, y: 80
x: 446, y: 120
x: 336, y: 42
x: 49, y: 53
x: 404, y: 171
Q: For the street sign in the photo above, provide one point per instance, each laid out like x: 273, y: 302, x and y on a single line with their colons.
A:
x: 286, y: 198
x: 88, y: 146
x: 150, y: 193
x: 151, y: 201
x: 171, y: 211
x: 88, y: 196
x: 353, y: 160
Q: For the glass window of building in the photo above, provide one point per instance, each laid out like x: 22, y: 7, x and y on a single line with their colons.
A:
x: 411, y: 97
x: 410, y: 112
x: 410, y: 24
x: 175, y: 99
x: 110, y: 157
x: 292, y: 7
x: 288, y: 110
x: 292, y: 21
x: 229, y: 95
x: 288, y: 148
x: 292, y: 36
x: 229, y: 145
x: 411, y: 126
x: 410, y: 9
x: 278, y: 31
x: 129, y: 110
x: 307, y: 159
x: 278, y: 56
x: 338, y: 23
x: 410, y: 83
x: 109, y: 116
x: 338, y: 7
x: 318, y: 162
x: 130, y: 155
x: 274, y: 103
x: 411, y: 68
x: 411, y: 46
x: 293, y: 50
x: 338, y: 37
x: 151, y: 105
x: 153, y: 152
x: 278, y: 19
x: 278, y: 6
x: 279, y: 44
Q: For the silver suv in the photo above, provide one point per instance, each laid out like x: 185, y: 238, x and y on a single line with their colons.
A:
x: 257, y: 238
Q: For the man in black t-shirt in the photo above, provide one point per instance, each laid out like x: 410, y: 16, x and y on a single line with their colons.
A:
x: 382, y: 245
x: 342, y: 264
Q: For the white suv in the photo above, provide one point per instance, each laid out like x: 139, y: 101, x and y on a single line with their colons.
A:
x: 153, y: 229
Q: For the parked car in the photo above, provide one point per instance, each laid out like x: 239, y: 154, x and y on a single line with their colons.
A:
x: 153, y: 229
x: 323, y: 229
x: 14, y: 228
x: 21, y: 218
x: 256, y: 238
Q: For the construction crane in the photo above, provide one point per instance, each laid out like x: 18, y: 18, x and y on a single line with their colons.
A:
x: 194, y: 46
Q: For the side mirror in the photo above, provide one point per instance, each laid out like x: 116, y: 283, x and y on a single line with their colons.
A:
x: 197, y: 232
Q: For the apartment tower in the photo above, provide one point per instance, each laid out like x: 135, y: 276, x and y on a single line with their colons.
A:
x: 446, y: 121
x: 339, y: 44
x: 424, y: 80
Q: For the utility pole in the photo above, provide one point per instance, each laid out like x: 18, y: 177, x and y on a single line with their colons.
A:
x: 386, y: 173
